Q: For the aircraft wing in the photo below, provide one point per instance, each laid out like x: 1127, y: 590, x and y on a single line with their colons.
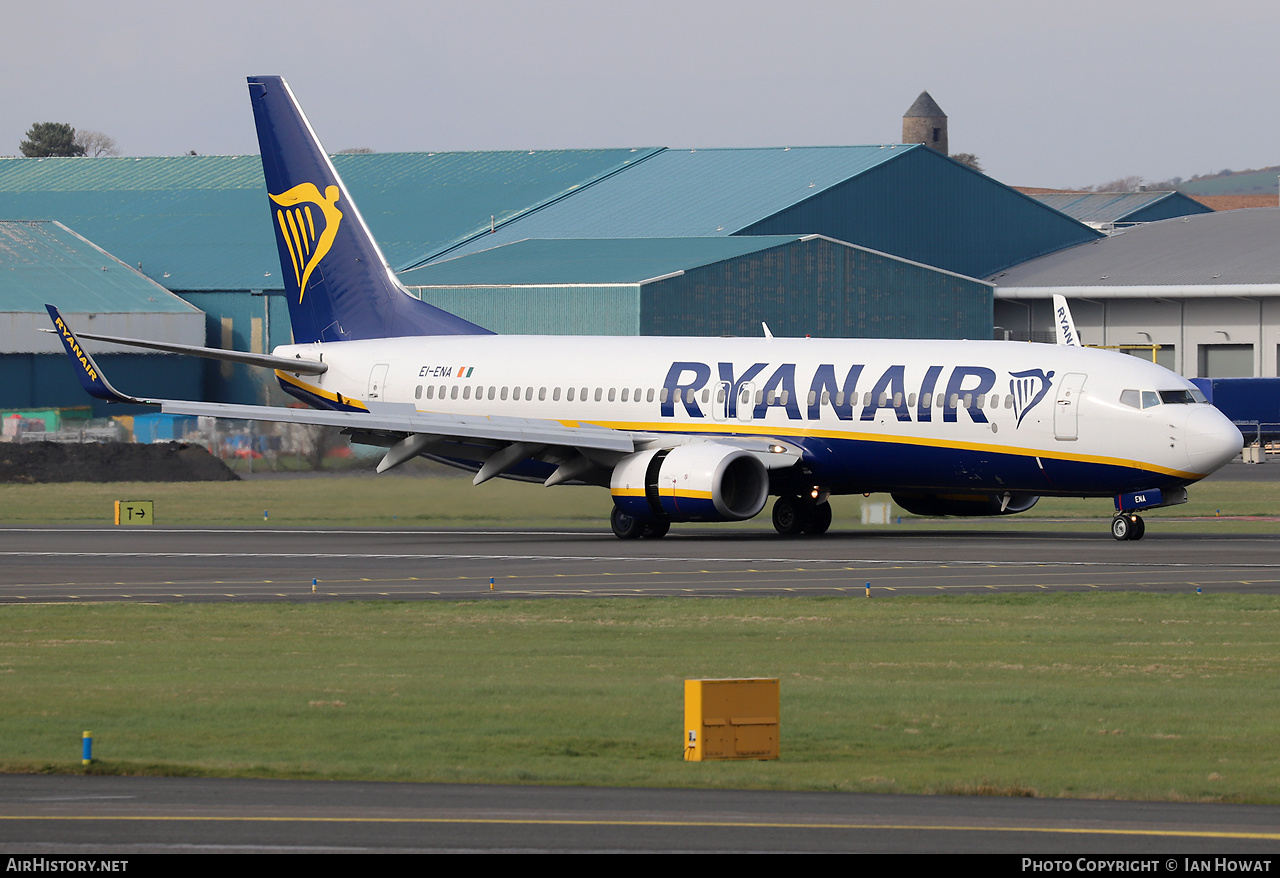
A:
x: 501, y: 442
x: 399, y: 418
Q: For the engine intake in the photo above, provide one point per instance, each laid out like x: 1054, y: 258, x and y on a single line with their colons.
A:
x: 691, y: 483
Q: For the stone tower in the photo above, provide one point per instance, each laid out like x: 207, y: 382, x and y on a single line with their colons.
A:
x: 925, y: 123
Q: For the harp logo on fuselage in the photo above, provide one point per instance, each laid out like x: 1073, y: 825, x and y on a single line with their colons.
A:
x: 308, y: 224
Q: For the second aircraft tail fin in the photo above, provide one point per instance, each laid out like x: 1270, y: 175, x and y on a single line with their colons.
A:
x: 1063, y: 323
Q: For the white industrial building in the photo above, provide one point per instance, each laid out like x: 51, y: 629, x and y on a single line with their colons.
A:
x: 1205, y: 289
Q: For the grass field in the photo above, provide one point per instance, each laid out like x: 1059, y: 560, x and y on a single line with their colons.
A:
x: 437, y: 501
x: 1100, y: 695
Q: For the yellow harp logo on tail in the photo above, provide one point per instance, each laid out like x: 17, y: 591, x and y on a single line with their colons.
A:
x: 307, y: 236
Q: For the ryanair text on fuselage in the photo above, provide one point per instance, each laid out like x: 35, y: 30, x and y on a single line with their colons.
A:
x: 775, y: 387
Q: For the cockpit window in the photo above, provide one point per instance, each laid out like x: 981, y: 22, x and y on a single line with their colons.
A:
x: 1145, y: 399
x: 1181, y: 397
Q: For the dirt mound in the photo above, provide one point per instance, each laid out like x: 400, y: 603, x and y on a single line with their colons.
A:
x: 110, y: 462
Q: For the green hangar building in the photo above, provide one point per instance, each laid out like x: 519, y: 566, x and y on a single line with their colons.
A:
x: 860, y: 241
x: 43, y: 262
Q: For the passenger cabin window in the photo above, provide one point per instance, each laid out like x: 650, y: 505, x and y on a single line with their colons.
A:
x: 417, y: 393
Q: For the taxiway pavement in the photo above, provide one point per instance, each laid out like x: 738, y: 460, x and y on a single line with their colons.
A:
x: 117, y: 816
x: 44, y: 564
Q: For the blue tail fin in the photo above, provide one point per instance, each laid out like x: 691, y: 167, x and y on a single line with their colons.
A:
x: 337, y: 280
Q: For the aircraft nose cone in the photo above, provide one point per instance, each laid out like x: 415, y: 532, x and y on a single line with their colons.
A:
x: 1212, y: 440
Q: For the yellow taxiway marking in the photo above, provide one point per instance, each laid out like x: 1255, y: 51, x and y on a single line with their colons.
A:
x: 729, y: 824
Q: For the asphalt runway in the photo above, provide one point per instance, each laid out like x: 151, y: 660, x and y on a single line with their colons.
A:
x: 58, y: 564
x: 117, y: 816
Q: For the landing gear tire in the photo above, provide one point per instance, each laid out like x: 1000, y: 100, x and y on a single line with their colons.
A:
x: 656, y: 529
x: 624, y: 526
x: 789, y: 516
x: 796, y: 515
x: 819, y: 520
x: 1128, y: 527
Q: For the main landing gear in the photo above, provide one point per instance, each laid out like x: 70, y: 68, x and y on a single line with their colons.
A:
x: 1128, y: 526
x: 796, y: 515
x: 627, y: 528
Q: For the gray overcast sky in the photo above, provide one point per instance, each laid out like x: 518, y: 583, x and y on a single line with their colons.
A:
x: 1063, y: 94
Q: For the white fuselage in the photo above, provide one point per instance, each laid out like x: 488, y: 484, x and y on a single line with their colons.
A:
x: 869, y: 414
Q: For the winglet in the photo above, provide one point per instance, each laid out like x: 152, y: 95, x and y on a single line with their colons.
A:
x: 1062, y: 322
x: 91, y: 377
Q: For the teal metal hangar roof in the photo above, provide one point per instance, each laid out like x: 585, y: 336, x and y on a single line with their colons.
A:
x: 202, y: 223
x: 1121, y: 207
x: 904, y: 200
x: 417, y: 203
x: 680, y: 193
x: 585, y: 261
x: 45, y: 262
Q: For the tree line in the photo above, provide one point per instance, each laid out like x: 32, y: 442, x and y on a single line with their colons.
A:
x: 60, y: 139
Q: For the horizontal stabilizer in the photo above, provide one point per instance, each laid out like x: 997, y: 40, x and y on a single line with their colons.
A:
x: 284, y: 364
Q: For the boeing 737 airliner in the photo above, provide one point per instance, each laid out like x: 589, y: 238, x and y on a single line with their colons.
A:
x: 694, y: 429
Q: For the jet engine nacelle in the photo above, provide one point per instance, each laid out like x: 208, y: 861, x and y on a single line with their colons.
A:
x: 691, y: 483
x: 965, y: 504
